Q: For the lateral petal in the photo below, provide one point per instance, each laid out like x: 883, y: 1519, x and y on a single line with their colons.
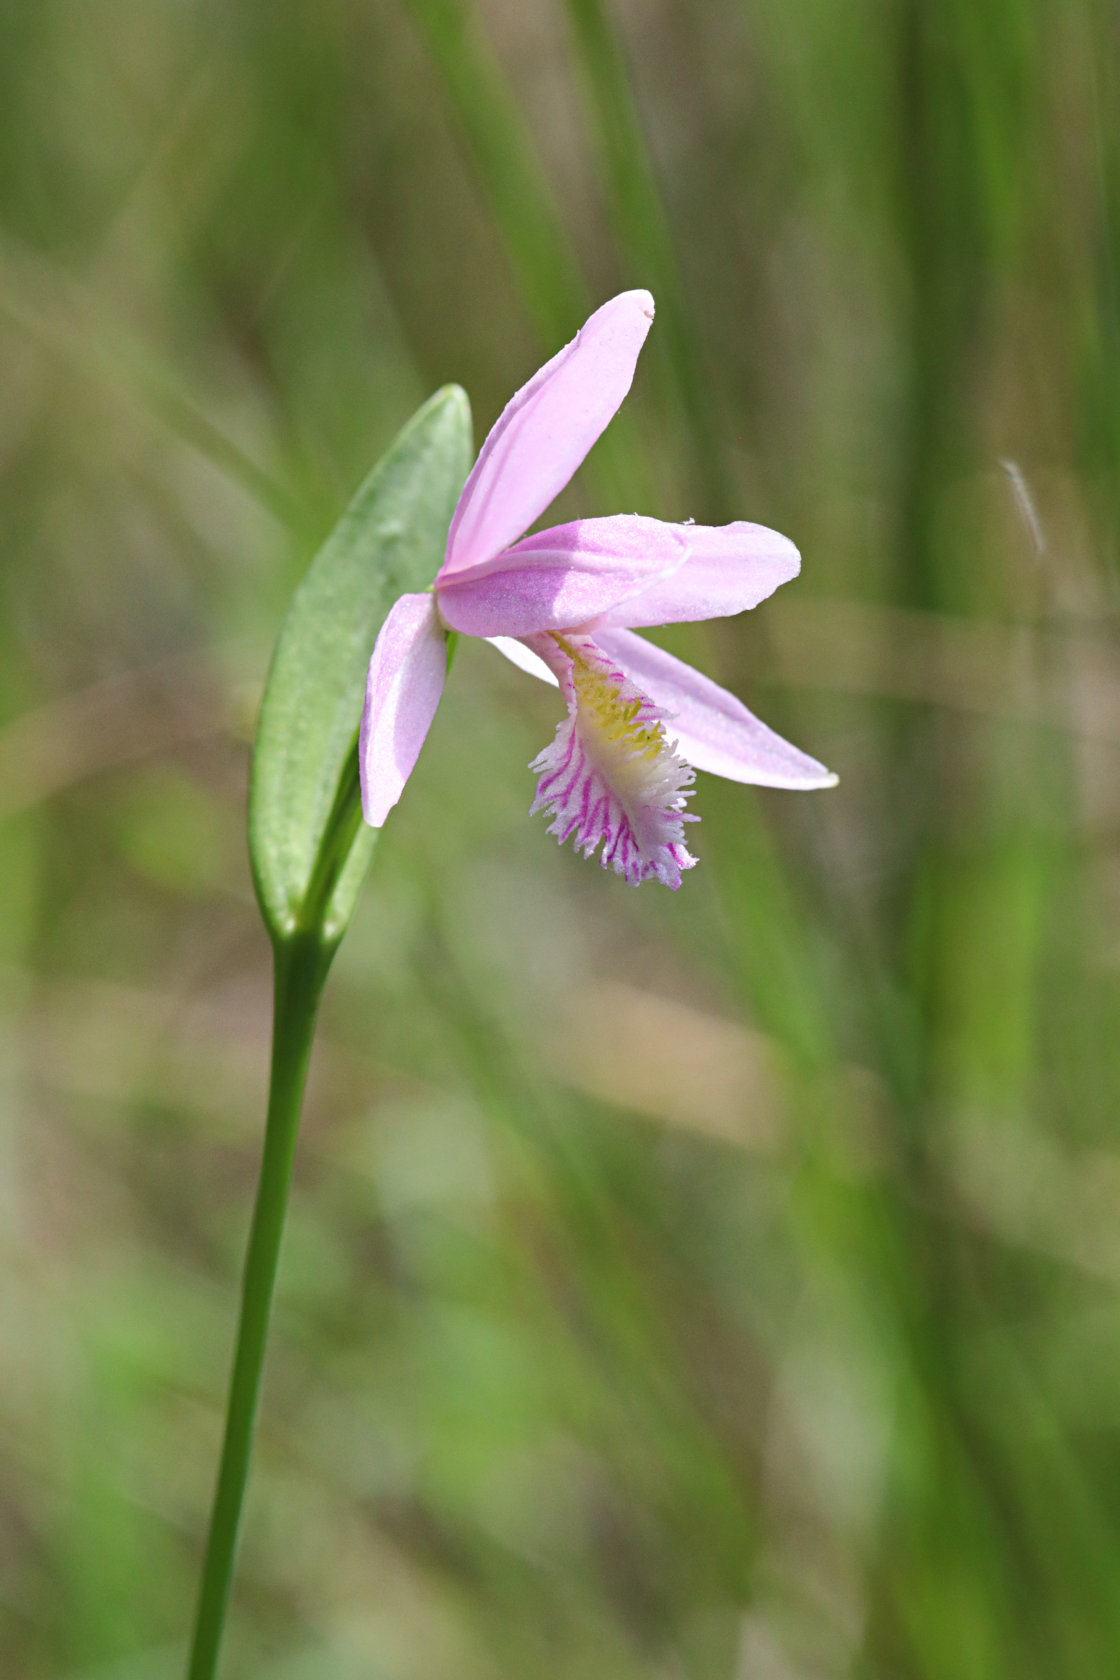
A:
x: 403, y: 688
x: 714, y: 731
x: 545, y: 430
x: 562, y: 577
x: 729, y: 568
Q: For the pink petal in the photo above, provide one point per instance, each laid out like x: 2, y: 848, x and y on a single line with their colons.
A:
x: 544, y: 432
x: 406, y: 676
x: 729, y: 568
x: 562, y: 577
x: 713, y: 729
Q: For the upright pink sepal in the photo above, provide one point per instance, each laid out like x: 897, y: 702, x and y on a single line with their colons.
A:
x: 714, y: 731
x: 545, y: 430
x: 403, y: 688
x: 560, y: 578
x: 729, y: 568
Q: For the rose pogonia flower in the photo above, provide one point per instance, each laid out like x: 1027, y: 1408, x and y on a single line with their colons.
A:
x: 564, y: 605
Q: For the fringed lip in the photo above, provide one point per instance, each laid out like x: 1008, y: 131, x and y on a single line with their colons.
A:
x: 611, y: 778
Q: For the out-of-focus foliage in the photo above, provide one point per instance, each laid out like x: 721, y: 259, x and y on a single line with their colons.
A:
x: 714, y: 1287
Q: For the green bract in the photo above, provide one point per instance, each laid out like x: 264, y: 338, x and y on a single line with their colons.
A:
x: 308, y: 846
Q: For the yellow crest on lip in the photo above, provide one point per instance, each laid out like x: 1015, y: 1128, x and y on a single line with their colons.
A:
x: 616, y: 717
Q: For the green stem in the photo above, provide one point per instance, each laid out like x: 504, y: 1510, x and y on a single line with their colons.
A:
x: 301, y: 964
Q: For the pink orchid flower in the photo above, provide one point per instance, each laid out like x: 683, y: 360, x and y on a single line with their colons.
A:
x: 564, y: 604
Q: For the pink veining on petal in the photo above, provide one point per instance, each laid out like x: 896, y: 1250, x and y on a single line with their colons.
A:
x: 545, y: 430
x: 610, y: 779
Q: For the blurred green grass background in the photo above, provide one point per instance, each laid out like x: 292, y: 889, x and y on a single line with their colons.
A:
x: 714, y: 1287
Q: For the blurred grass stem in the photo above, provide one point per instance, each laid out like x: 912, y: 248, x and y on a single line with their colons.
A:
x: 301, y: 964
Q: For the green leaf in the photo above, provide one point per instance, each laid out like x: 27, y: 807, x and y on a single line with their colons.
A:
x: 308, y: 846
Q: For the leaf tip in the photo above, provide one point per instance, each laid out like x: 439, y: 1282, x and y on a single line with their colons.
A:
x: 454, y: 399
